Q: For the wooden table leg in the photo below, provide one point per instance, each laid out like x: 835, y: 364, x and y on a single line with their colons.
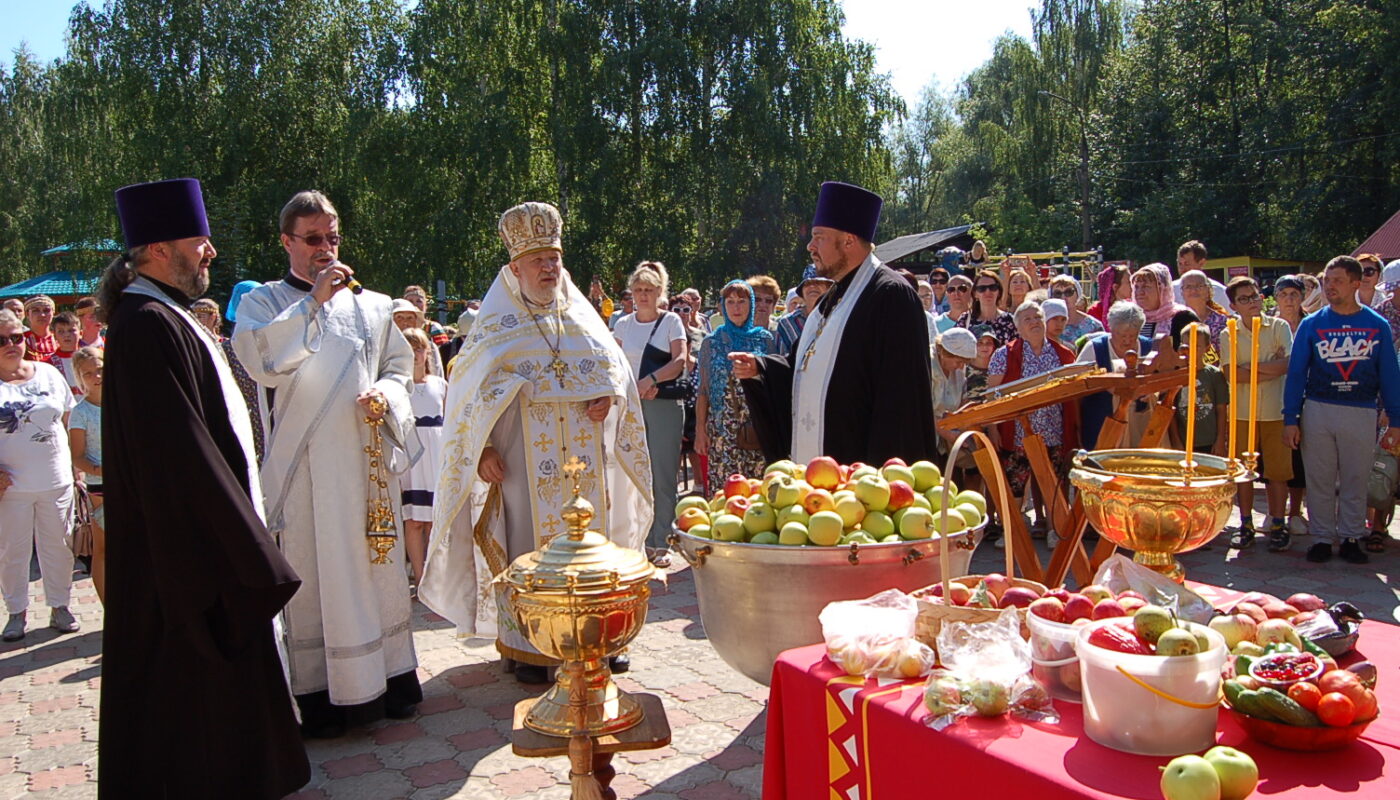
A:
x: 604, y: 773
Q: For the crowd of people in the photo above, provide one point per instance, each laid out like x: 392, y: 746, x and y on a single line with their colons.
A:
x: 261, y: 437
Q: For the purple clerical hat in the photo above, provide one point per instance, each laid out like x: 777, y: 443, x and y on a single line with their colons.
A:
x: 162, y: 211
x: 848, y: 208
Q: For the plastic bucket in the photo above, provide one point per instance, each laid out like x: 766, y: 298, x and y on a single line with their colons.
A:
x: 1054, y: 661
x: 1124, y: 714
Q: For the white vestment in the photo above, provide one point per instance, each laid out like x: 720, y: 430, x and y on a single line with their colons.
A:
x: 348, y: 626
x: 506, y: 390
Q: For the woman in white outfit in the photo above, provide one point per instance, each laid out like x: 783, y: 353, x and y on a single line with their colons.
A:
x: 429, y: 404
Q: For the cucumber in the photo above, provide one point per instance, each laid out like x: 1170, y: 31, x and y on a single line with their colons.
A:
x: 1286, y: 709
x: 1248, y: 702
x: 1233, y: 689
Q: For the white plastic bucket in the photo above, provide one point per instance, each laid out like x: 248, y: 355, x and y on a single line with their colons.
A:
x: 1054, y: 661
x: 1122, y: 714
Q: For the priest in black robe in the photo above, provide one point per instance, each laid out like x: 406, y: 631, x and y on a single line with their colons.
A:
x: 194, y: 699
x: 857, y: 385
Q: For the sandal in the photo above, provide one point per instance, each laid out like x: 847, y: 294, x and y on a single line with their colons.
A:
x: 1242, y: 539
x: 1375, y: 543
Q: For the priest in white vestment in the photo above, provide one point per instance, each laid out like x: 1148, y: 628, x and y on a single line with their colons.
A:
x: 321, y: 353
x: 539, y: 380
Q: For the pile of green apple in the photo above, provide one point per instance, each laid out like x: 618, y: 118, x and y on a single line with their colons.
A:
x: 828, y: 504
x: 1223, y: 773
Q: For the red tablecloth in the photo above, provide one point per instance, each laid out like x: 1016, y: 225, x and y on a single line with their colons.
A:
x: 831, y: 737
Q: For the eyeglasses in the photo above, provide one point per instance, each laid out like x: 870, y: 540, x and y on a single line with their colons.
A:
x: 316, y: 239
x: 1062, y: 293
x: 960, y: 289
x: 938, y: 281
x: 12, y: 340
x: 1246, y: 298
x: 768, y: 301
x: 989, y: 287
x: 1186, y: 286
x: 1369, y: 271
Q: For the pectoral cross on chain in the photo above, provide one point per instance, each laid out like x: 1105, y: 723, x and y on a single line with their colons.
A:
x: 558, y: 367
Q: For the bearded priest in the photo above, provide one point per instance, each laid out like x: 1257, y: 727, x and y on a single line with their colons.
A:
x: 539, y: 381
x: 856, y: 386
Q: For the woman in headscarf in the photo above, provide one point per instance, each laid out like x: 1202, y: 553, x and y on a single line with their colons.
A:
x: 1113, y: 286
x: 720, y: 408
x: 1152, y: 292
x: 1196, y: 292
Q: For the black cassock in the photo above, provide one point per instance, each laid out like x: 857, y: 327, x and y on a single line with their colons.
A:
x: 194, y: 703
x: 879, y: 402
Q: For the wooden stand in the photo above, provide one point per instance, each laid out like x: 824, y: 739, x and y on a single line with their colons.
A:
x: 653, y: 732
x: 1066, y: 518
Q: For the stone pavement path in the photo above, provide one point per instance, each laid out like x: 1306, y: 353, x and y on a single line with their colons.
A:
x: 458, y: 745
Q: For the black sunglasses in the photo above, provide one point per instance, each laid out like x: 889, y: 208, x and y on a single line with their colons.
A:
x: 937, y: 281
x: 959, y: 289
x: 316, y: 239
x: 1369, y: 271
x: 989, y: 287
x: 15, y: 339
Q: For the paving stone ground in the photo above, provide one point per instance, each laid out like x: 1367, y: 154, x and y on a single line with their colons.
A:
x: 458, y: 745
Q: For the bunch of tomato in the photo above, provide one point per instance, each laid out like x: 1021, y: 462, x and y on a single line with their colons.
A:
x: 1339, y: 698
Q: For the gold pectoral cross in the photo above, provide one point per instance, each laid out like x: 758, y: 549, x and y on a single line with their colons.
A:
x: 558, y: 367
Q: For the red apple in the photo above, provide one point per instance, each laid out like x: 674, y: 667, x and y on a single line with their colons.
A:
x: 1078, y: 607
x: 691, y: 517
x: 1108, y: 608
x: 737, y: 505
x: 1131, y: 604
x: 736, y: 485
x: 1096, y: 592
x: 1306, y: 602
x: 1059, y: 593
x: 755, y: 486
x: 901, y: 495
x: 818, y: 500
x: 997, y: 584
x: 959, y: 593
x: 1081, y: 622
x: 895, y: 460
x: 824, y: 473
x: 1050, y: 608
x: 1280, y: 610
x: 1257, y: 598
x: 1017, y: 597
x: 1131, y: 593
x: 1252, y: 611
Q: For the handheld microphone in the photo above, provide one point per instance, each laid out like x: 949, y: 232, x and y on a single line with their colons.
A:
x: 349, y: 283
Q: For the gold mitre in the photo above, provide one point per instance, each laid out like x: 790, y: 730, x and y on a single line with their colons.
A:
x: 530, y: 227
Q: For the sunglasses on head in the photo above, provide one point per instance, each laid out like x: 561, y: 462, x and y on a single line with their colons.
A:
x: 316, y: 239
x: 13, y: 339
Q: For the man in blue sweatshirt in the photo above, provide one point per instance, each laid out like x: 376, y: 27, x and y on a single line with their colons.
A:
x: 1343, y: 360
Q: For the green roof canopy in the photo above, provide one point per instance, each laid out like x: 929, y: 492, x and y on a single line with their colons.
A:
x: 64, y: 282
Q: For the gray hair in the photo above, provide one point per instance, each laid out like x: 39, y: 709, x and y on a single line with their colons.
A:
x: 1025, y: 305
x: 8, y: 317
x: 1126, y: 313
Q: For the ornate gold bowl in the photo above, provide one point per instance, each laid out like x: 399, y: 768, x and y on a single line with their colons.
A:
x: 1142, y: 500
x: 581, y: 598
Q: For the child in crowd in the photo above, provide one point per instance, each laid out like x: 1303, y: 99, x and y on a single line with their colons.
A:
x: 1212, y: 399
x: 85, y: 443
x: 429, y: 404
x: 65, y: 332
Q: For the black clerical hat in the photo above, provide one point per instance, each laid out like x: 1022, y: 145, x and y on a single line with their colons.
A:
x: 162, y: 211
x: 848, y: 208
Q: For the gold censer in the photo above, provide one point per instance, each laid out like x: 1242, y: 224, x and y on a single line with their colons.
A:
x: 581, y: 599
x: 379, y: 513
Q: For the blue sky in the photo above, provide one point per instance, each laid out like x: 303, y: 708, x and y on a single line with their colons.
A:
x: 916, y: 42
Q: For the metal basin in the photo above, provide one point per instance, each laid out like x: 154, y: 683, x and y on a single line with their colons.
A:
x: 1138, y: 500
x: 758, y: 600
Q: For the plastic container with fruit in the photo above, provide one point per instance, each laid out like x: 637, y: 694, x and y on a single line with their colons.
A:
x: 806, y: 536
x: 1140, y: 702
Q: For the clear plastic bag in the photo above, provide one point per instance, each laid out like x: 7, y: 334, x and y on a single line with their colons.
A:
x: 875, y: 636
x: 1119, y: 574
x: 985, y: 673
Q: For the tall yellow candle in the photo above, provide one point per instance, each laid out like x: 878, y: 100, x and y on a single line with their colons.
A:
x: 1253, y: 382
x: 1233, y: 335
x: 1190, y: 396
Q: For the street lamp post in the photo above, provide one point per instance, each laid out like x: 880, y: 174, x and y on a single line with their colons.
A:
x: 1086, y: 232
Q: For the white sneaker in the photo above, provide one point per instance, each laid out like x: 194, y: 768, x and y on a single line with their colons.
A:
x: 1298, y: 525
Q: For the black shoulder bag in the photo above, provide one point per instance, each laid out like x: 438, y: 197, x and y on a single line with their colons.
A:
x: 653, y: 359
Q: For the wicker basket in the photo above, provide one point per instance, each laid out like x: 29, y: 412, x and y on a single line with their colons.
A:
x: 933, y: 615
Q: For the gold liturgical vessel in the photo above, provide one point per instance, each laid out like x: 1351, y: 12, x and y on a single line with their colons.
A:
x: 379, y: 516
x: 581, y: 598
